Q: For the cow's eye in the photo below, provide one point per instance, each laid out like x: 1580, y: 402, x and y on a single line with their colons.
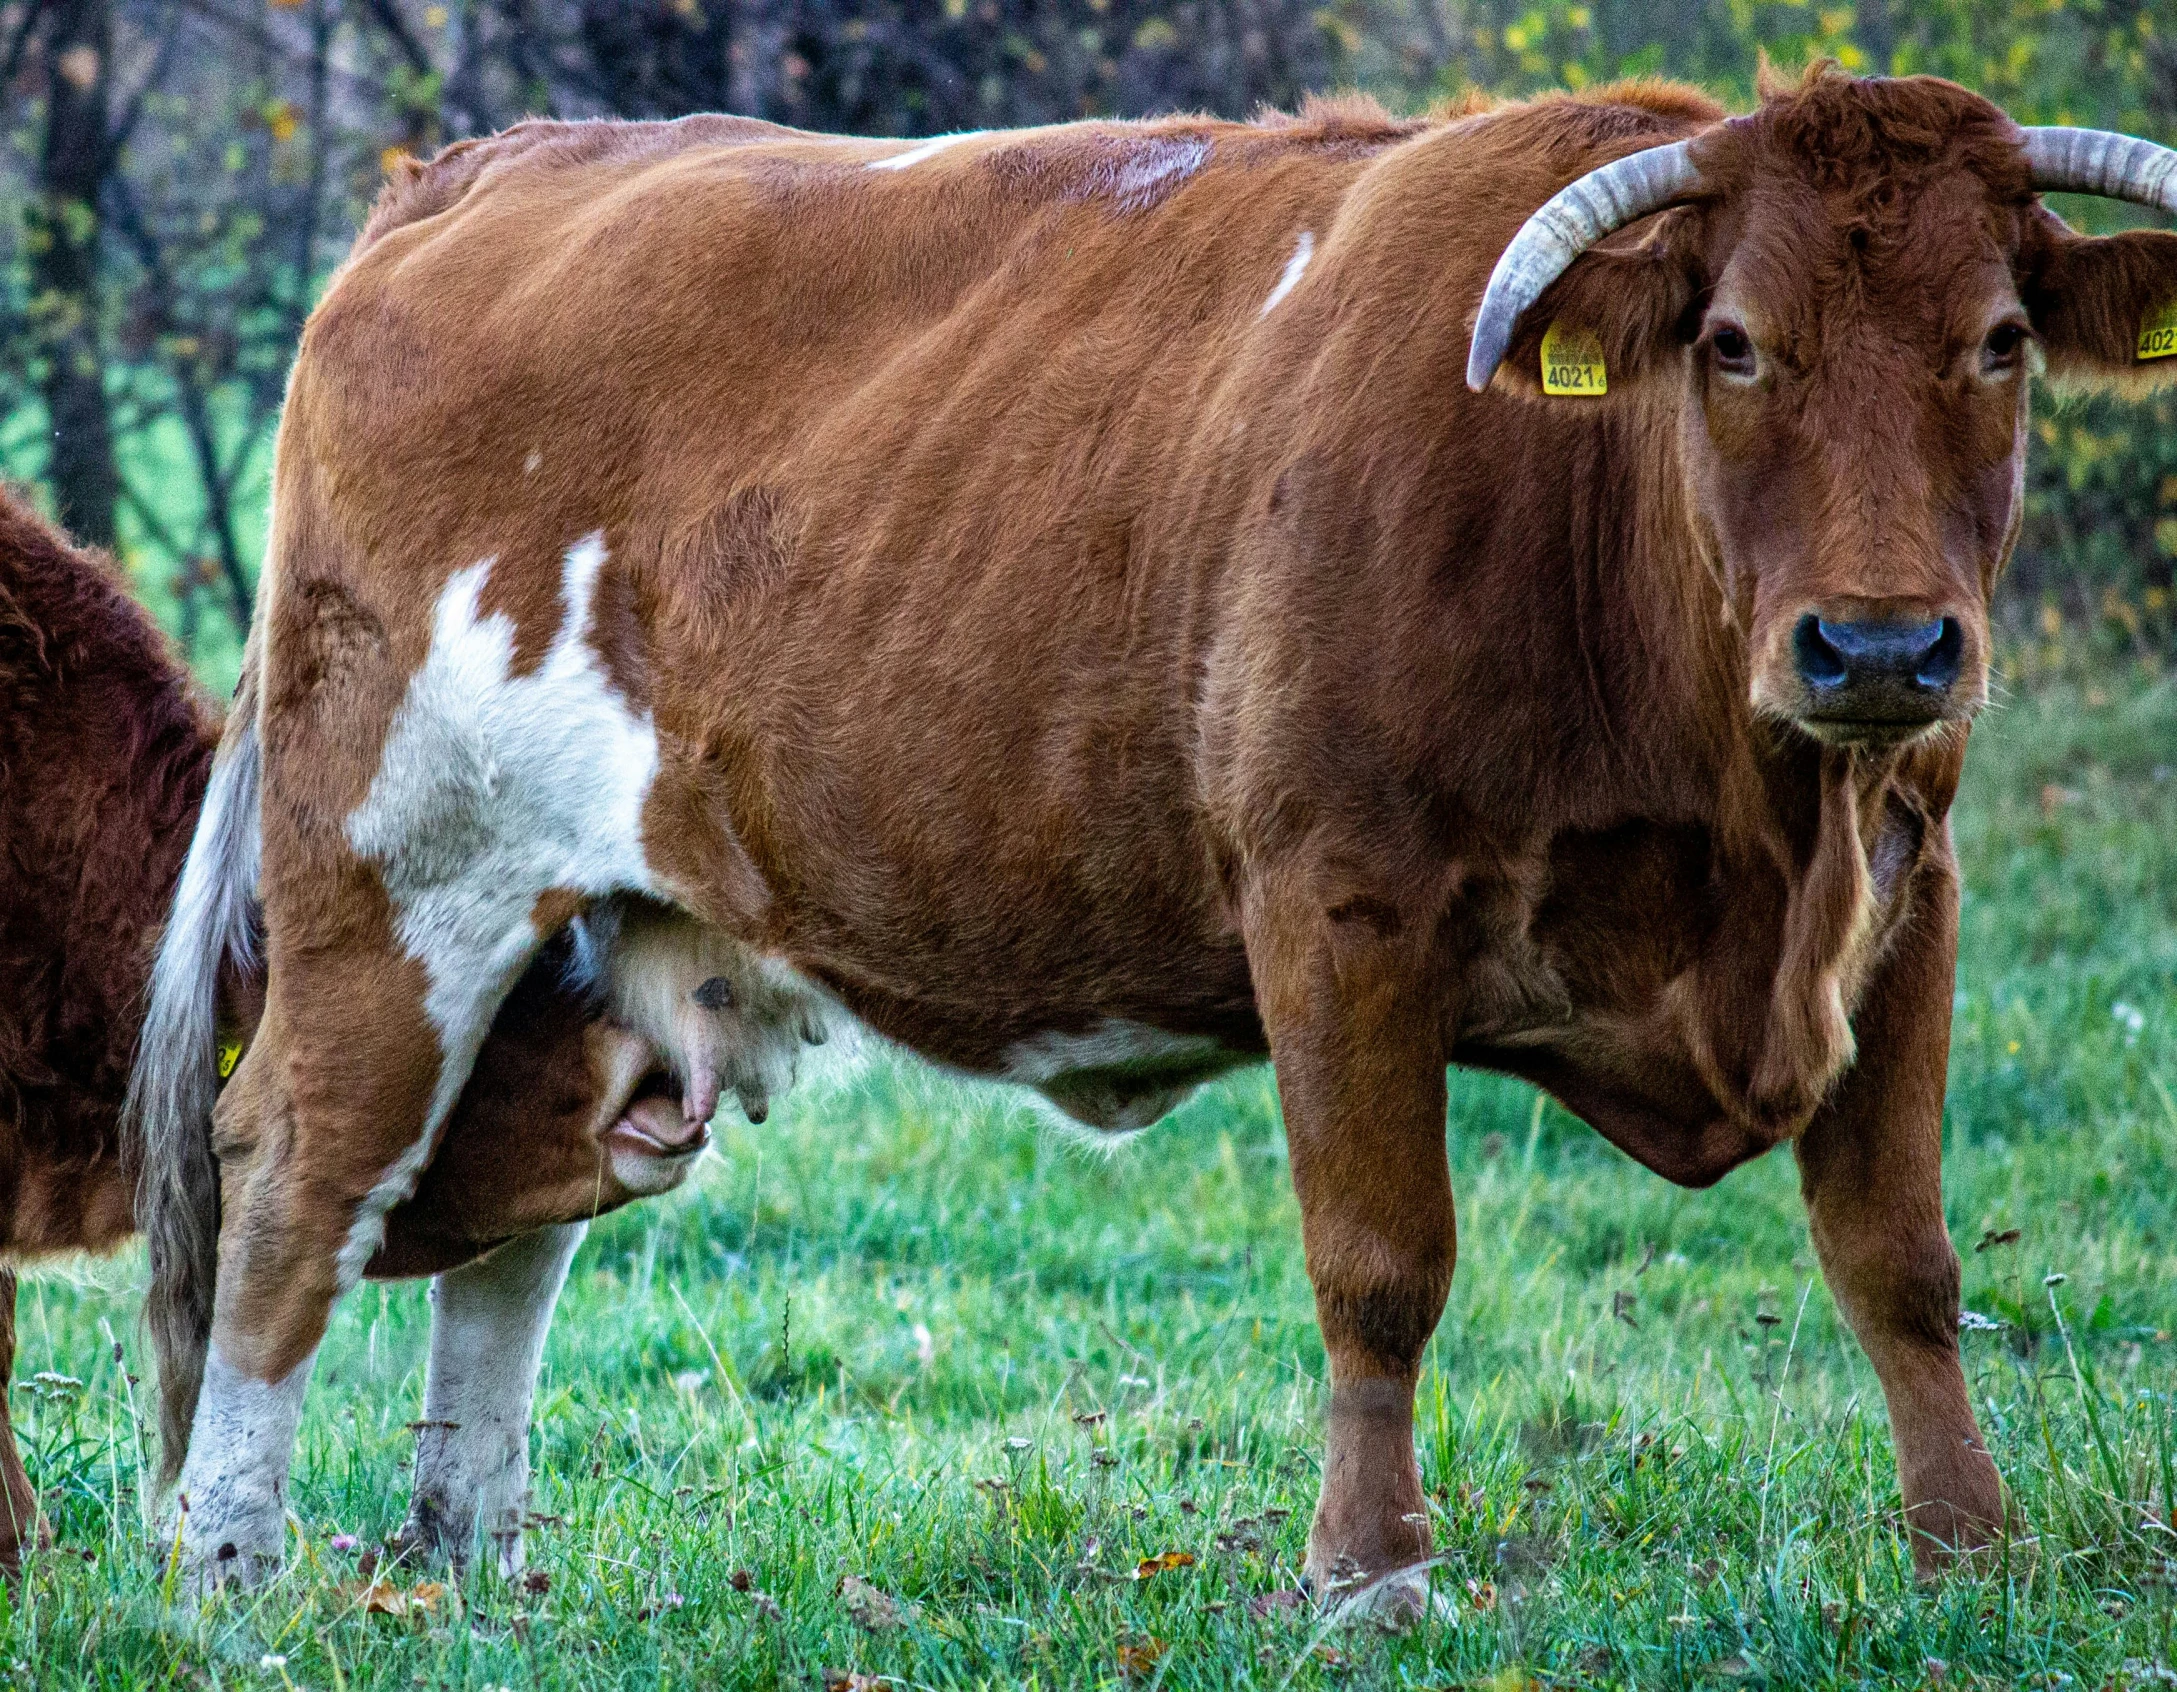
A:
x: 1732, y: 350
x: 2005, y: 343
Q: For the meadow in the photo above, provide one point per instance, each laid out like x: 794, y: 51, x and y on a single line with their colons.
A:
x: 907, y: 1390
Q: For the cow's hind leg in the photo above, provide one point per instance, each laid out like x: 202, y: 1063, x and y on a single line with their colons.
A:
x: 1871, y: 1169
x: 1360, y: 1066
x: 488, y: 1321
x: 326, y: 1126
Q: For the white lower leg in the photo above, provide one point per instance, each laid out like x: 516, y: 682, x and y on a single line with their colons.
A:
x: 233, y: 1490
x: 488, y: 1321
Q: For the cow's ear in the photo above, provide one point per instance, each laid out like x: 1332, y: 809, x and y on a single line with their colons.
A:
x: 1614, y: 320
x: 2105, y: 307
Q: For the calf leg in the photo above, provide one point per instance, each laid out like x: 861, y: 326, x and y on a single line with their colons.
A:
x: 488, y: 1321
x: 1871, y: 1169
x: 19, y: 1518
x: 1355, y: 1034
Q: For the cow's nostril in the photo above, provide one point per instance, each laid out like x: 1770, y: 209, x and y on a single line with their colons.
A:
x: 1820, y: 663
x: 1938, y: 667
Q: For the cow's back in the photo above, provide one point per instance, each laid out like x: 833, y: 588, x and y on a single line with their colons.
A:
x: 926, y: 473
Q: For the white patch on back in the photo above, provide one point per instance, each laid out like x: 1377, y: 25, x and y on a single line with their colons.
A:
x: 235, y: 1477
x: 1289, y: 277
x: 927, y: 150
x: 488, y: 1322
x: 493, y: 789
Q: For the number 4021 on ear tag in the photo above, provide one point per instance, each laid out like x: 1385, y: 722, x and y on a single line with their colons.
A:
x: 2158, y: 334
x: 1572, y: 361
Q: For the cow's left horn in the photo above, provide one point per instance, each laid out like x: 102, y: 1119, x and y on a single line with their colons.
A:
x: 2097, y: 161
x: 1573, y: 221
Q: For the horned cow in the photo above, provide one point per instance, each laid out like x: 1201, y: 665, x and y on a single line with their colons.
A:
x: 1053, y: 593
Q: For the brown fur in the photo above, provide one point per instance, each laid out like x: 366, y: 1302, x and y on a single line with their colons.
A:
x: 104, y: 752
x: 1039, y: 634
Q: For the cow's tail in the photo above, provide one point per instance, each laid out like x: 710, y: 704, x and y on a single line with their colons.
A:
x: 176, y: 1078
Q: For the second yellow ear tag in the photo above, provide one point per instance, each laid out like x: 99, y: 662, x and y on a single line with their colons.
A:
x: 2158, y: 333
x: 230, y: 1054
x: 1572, y: 361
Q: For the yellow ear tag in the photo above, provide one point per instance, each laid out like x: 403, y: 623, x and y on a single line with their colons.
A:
x: 1572, y: 361
x: 230, y: 1054
x: 2158, y: 334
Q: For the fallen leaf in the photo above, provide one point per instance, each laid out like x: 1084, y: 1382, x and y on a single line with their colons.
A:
x: 874, y: 1610
x: 426, y: 1596
x: 383, y: 1598
x: 1483, y: 1595
x: 847, y: 1680
x: 1161, y: 1562
x: 1140, y: 1656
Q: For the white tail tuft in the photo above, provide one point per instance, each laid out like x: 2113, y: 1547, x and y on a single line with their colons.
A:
x: 176, y: 1079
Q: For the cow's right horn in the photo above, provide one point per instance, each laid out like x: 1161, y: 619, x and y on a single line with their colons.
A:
x: 1576, y: 218
x: 2099, y: 161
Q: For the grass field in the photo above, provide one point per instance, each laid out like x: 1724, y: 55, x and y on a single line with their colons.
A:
x: 873, y: 1338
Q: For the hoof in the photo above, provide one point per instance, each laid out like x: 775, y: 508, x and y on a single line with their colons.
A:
x: 1395, y: 1601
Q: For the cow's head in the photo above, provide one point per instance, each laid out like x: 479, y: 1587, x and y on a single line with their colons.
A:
x: 1841, y: 307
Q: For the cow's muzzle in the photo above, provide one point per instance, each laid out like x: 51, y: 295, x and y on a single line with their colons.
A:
x: 1876, y: 680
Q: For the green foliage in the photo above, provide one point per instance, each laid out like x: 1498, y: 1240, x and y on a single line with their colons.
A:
x: 876, y: 1337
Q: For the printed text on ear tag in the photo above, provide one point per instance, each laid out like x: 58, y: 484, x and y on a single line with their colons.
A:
x: 2158, y: 334
x: 230, y: 1054
x: 1572, y: 361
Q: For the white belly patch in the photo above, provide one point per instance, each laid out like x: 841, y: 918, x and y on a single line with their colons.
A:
x: 1119, y: 1076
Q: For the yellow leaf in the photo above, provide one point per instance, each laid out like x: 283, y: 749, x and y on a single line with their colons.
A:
x: 1140, y: 1656
x: 1162, y: 1561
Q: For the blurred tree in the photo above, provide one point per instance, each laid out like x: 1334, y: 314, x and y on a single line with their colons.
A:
x: 63, y: 232
x: 187, y: 171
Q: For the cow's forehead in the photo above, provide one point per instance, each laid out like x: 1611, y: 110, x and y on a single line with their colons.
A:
x: 1922, y: 260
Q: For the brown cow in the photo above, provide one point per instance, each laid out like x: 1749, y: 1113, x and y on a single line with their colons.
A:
x: 104, y: 753
x: 1053, y: 592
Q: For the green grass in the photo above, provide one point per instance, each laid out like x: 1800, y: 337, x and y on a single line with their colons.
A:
x: 861, y: 1343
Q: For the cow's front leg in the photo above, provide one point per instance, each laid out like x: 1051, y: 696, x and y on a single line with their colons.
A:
x: 1871, y: 1169
x: 1354, y: 1019
x: 488, y: 1322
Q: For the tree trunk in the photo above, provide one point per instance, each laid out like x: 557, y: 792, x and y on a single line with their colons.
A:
x: 64, y: 222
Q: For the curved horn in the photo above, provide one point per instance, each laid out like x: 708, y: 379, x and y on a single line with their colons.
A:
x: 1573, y: 221
x: 2096, y: 161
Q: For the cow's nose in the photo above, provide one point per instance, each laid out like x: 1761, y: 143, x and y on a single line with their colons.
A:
x: 1878, y: 666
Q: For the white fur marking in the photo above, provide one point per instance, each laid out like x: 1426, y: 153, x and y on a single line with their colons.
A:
x: 1289, y: 277
x: 493, y: 789
x: 235, y: 1478
x: 927, y: 150
x: 488, y: 1322
x: 1111, y: 1044
x: 1142, y: 180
